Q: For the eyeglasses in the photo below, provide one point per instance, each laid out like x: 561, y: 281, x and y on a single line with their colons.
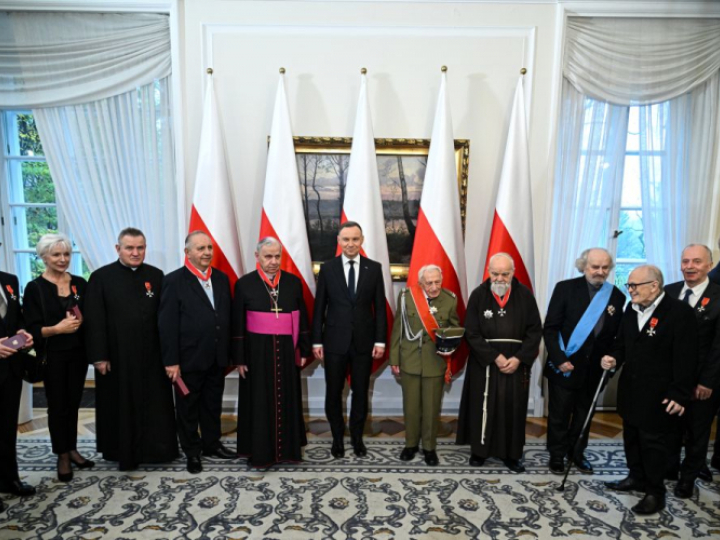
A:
x: 632, y: 286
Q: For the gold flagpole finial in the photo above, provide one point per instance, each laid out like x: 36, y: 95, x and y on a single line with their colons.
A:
x: 209, y: 71
x: 523, y: 71
x: 363, y: 71
x: 282, y: 71
x: 443, y: 69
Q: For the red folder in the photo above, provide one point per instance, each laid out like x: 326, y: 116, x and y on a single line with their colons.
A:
x: 181, y: 388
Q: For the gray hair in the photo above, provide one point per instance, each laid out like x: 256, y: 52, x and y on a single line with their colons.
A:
x: 707, y: 250
x: 129, y: 231
x: 49, y: 241
x: 268, y: 241
x: 501, y: 254
x: 428, y: 268
x: 189, y: 237
x: 581, y: 261
x: 655, y: 273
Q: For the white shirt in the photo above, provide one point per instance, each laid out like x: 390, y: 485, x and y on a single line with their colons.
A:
x: 644, y: 315
x: 697, y: 292
x: 346, y: 268
x: 207, y: 287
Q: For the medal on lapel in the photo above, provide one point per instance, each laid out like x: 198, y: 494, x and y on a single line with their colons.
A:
x: 653, y: 324
x: 148, y: 290
x: 9, y: 289
x: 704, y: 302
x: 488, y: 313
x: 611, y: 310
x: 75, y: 293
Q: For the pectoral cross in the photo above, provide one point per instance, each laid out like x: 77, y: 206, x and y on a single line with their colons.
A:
x: 276, y: 309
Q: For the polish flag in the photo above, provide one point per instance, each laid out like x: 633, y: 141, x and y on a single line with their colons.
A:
x: 512, y: 230
x: 282, y: 212
x: 212, y: 209
x: 363, y: 202
x: 438, y: 235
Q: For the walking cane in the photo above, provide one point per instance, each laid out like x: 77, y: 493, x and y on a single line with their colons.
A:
x: 561, y: 487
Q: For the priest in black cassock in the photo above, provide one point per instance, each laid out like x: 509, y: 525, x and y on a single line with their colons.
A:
x: 271, y: 343
x: 135, y: 413
x: 503, y: 329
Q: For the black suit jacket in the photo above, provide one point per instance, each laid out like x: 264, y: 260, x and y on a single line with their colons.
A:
x: 656, y: 367
x: 9, y: 326
x: 193, y: 334
x: 708, y: 318
x: 714, y: 274
x: 339, y: 322
x: 569, y: 301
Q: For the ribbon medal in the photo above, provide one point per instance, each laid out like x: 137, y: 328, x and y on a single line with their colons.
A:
x: 653, y: 324
x: 75, y: 293
x: 148, y: 290
x: 704, y: 302
x: 9, y: 289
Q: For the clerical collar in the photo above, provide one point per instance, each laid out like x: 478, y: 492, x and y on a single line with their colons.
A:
x: 133, y: 268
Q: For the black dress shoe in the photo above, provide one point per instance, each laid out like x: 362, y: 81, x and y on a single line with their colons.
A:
x: 194, y: 465
x: 16, y: 487
x: 583, y: 465
x: 64, y: 477
x: 338, y: 449
x: 87, y: 464
x: 705, y: 475
x: 431, y: 458
x: 408, y: 453
x: 476, y: 461
x: 359, y: 449
x: 221, y: 452
x: 514, y: 465
x: 626, y: 484
x: 557, y: 465
x: 684, y: 488
x: 650, y: 504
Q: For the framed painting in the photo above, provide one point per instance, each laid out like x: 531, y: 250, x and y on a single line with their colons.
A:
x: 323, y: 166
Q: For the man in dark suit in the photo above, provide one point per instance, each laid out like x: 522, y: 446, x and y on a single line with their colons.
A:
x: 714, y: 276
x: 704, y: 297
x: 349, y: 327
x: 194, y: 323
x: 581, y: 323
x: 657, y: 345
x: 11, y: 323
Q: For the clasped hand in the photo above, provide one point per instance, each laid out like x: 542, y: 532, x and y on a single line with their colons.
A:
x: 507, y: 366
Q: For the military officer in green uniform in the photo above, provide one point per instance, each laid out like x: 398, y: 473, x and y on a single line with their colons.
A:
x: 413, y: 356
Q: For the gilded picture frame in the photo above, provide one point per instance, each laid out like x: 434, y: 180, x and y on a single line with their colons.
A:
x: 322, y: 168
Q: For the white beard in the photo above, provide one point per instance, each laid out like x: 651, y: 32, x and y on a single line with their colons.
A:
x: 500, y: 288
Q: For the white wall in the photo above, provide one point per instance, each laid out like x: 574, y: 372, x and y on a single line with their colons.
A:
x: 323, y: 45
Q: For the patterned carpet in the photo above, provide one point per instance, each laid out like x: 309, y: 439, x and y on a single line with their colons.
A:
x: 377, y: 497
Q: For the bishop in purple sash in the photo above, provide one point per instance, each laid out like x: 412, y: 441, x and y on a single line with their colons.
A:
x: 271, y: 343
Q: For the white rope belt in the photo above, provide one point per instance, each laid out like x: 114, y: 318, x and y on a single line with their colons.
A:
x: 487, y: 386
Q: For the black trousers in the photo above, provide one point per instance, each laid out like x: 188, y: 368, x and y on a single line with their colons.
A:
x: 10, y: 390
x: 337, y: 367
x: 694, y: 433
x: 646, y: 453
x: 64, y: 382
x: 567, y: 410
x: 202, y: 407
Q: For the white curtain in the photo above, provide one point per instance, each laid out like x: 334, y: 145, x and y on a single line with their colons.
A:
x: 678, y: 144
x: 113, y: 166
x: 591, y: 146
x: 640, y: 61
x: 49, y: 59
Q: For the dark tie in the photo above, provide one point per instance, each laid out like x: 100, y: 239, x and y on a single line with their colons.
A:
x: 351, y: 280
x: 686, y: 298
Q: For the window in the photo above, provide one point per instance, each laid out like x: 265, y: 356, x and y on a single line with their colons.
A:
x: 29, y: 207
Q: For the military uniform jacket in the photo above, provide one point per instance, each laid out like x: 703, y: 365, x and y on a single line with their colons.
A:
x: 407, y: 354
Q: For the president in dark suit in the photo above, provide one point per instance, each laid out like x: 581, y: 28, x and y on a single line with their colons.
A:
x: 699, y: 293
x: 657, y: 345
x: 11, y: 323
x: 581, y: 323
x: 194, y: 324
x: 349, y: 328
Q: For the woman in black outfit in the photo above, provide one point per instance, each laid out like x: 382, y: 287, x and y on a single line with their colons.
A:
x: 48, y: 307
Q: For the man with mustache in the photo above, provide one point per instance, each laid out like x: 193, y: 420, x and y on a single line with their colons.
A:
x: 503, y: 329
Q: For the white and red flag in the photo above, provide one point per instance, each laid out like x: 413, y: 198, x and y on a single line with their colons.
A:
x: 438, y: 235
x: 363, y: 203
x: 282, y: 212
x: 212, y: 209
x: 512, y: 229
